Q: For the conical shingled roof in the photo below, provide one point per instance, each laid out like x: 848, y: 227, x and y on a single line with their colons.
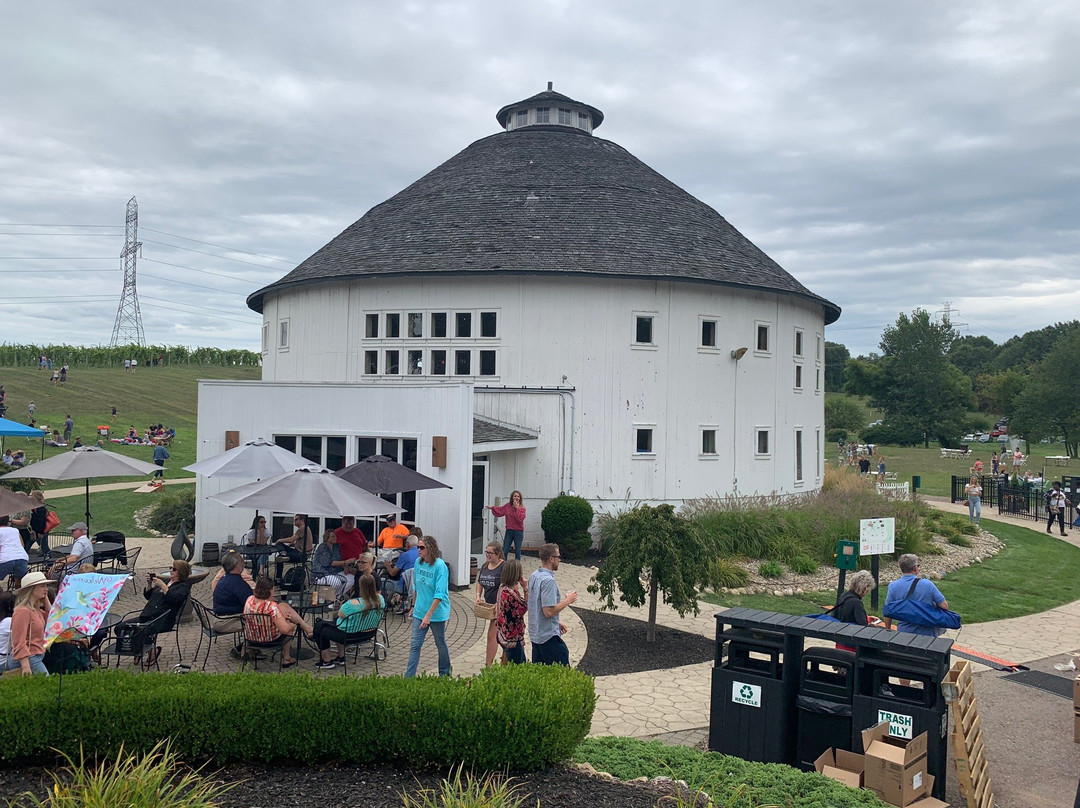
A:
x: 545, y: 200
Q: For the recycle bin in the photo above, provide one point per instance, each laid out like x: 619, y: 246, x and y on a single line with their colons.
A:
x: 903, y: 687
x: 753, y: 693
x: 824, y: 703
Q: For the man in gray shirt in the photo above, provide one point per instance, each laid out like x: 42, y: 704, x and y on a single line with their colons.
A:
x: 545, y: 628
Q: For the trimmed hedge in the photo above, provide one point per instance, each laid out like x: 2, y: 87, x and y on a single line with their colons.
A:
x: 522, y: 717
x: 564, y: 516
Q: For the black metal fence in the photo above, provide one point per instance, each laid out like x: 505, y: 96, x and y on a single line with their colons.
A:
x: 1023, y: 500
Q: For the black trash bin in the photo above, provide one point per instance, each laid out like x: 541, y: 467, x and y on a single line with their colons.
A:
x: 903, y: 686
x: 753, y: 692
x: 824, y: 703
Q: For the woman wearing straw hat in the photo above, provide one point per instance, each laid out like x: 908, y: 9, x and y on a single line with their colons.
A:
x: 32, y: 606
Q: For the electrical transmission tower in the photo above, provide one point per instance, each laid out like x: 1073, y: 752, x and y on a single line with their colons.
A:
x: 128, y: 329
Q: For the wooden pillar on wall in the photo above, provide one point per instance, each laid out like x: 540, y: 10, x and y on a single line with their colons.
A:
x: 232, y: 439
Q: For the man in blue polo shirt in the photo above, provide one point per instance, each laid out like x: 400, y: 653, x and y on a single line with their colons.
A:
x: 231, y: 593
x: 909, y: 586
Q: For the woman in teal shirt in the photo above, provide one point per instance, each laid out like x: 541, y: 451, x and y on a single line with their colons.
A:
x: 357, y: 616
x: 431, y: 580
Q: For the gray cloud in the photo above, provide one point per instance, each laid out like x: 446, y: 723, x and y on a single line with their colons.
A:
x: 888, y: 156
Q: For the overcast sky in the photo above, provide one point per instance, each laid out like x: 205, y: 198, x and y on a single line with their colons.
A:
x: 888, y: 155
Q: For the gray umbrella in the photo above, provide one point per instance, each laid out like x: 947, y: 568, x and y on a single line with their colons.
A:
x: 12, y: 502
x: 82, y: 464
x: 310, y: 489
x: 381, y: 475
x: 255, y: 460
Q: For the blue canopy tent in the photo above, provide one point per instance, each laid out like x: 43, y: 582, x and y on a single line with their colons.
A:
x: 16, y: 429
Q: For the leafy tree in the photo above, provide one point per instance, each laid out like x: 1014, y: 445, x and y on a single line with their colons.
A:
x: 1021, y: 353
x: 652, y: 550
x: 844, y: 412
x: 913, y: 380
x: 1048, y: 408
x: 973, y: 354
x: 836, y: 356
x: 997, y: 393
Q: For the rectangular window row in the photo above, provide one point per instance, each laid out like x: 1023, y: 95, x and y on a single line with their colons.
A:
x: 643, y: 446
x: 431, y: 362
x: 435, y: 324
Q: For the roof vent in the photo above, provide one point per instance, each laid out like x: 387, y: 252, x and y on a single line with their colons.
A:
x: 551, y: 86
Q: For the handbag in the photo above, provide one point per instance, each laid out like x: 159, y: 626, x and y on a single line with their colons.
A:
x: 484, y: 611
x: 912, y: 611
x: 51, y: 521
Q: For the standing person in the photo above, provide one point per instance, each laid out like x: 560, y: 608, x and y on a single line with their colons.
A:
x: 55, y: 377
x: 32, y: 605
x: 351, y: 538
x: 849, y: 606
x: 13, y: 557
x: 545, y: 629
x: 63, y: 375
x: 974, y: 498
x: 510, y: 608
x: 864, y: 465
x: 31, y: 408
x: 69, y: 426
x: 431, y: 579
x: 994, y: 463
x: 161, y: 454
x: 881, y: 469
x: 487, y: 589
x: 1055, y: 507
x: 114, y: 412
x: 39, y: 530
x: 127, y: 366
x: 909, y: 586
x: 1018, y: 458
x: 514, y: 511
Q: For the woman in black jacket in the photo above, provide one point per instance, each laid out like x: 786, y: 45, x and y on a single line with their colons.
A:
x: 849, y: 606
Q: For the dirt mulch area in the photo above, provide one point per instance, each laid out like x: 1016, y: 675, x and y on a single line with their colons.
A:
x: 352, y: 786
x: 617, y: 645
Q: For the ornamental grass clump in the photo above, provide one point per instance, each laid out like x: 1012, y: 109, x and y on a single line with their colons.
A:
x: 154, y: 779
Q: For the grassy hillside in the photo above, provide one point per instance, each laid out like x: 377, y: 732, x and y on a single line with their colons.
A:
x: 167, y: 395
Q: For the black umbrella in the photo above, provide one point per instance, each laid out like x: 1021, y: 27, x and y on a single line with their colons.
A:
x: 381, y: 475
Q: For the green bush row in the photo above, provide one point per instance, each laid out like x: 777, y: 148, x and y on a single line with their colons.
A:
x: 728, y: 780
x: 172, y: 510
x: 522, y: 717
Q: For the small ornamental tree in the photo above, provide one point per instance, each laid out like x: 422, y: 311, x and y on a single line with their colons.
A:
x: 652, y: 550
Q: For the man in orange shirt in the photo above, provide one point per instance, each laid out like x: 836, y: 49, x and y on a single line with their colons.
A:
x: 393, y: 535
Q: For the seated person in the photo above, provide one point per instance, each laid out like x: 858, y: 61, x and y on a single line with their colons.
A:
x: 393, y: 535
x: 231, y: 589
x: 351, y: 538
x: 283, y: 617
x: 82, y: 551
x: 327, y: 566
x: 18, y: 458
x: 357, y: 618
x: 78, y: 443
x: 7, y: 459
x: 163, y: 604
x: 133, y: 435
x: 298, y: 545
x: 394, y: 583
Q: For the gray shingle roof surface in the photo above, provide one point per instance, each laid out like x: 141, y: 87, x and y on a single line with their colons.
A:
x: 545, y: 200
x: 489, y: 432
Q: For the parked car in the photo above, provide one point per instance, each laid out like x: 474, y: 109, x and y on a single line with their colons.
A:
x: 984, y: 437
x: 969, y: 437
x: 878, y: 422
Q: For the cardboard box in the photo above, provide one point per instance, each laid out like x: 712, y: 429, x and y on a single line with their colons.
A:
x: 894, y: 768
x: 842, y: 765
x: 1076, y: 693
x: 1076, y: 727
x: 928, y: 801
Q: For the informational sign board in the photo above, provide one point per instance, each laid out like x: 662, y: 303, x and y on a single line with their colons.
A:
x: 877, y: 536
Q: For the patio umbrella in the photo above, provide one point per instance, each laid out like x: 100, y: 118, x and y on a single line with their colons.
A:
x: 255, y: 460
x: 309, y: 489
x: 381, y: 475
x: 82, y: 464
x: 12, y: 502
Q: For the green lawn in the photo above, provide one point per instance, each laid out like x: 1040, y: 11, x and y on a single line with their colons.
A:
x: 1033, y: 573
x: 167, y: 395
x: 937, y: 472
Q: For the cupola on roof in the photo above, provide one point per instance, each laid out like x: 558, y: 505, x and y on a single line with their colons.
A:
x: 545, y: 199
x: 549, y: 108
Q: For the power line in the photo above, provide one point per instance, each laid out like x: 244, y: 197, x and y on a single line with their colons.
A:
x: 212, y: 316
x: 203, y: 252
x: 32, y: 224
x: 194, y: 269
x: 192, y: 285
x: 80, y: 235
x: 66, y: 269
x: 222, y: 246
x: 58, y: 258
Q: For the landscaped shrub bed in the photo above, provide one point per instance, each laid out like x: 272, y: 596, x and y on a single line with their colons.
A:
x: 728, y: 780
x: 799, y: 530
x: 524, y: 717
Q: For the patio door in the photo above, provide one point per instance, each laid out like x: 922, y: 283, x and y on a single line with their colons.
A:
x: 478, y: 516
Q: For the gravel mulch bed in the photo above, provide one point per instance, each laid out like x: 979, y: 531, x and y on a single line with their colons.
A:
x: 617, y: 645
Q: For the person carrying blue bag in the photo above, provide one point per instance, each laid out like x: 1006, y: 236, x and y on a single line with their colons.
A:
x: 916, y: 604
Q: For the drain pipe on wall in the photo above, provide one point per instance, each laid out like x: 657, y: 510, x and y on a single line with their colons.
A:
x: 563, y: 393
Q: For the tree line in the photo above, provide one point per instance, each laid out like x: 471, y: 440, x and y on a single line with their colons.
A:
x: 933, y: 383
x: 102, y: 357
